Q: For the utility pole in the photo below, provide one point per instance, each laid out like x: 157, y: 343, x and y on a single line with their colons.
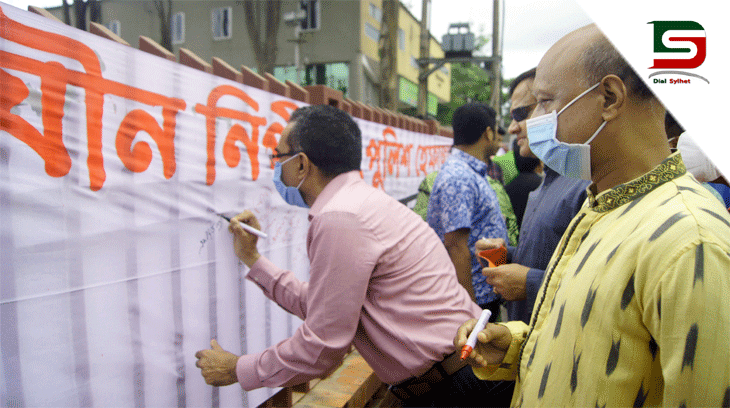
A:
x: 425, y: 45
x: 496, y: 101
x: 388, y: 50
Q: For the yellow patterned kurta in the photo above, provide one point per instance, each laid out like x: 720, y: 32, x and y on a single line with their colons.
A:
x: 634, y: 309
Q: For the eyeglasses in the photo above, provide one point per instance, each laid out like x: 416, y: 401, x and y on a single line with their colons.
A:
x: 276, y: 157
x: 522, y: 113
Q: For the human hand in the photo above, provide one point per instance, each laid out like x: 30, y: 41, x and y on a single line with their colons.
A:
x: 217, y: 365
x: 508, y: 280
x: 492, y: 343
x: 488, y: 243
x: 244, y: 242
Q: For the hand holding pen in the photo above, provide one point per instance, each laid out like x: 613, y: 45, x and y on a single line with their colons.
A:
x: 246, y: 232
x: 491, y: 343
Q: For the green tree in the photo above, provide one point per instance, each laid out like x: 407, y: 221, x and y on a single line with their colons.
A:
x: 469, y: 83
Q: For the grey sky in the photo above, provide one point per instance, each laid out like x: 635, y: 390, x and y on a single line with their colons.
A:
x: 530, y: 26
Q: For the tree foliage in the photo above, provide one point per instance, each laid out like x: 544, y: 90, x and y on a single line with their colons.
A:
x: 469, y: 83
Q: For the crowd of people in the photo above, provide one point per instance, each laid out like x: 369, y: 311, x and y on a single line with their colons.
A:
x: 617, y: 233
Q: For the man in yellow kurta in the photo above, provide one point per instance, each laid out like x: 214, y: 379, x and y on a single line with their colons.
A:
x: 634, y: 309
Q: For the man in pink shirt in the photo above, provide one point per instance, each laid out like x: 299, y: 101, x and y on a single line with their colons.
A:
x: 380, y: 278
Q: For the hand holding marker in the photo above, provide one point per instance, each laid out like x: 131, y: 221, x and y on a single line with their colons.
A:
x: 247, y: 227
x: 471, y: 341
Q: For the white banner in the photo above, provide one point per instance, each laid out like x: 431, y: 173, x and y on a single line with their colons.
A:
x: 115, y: 268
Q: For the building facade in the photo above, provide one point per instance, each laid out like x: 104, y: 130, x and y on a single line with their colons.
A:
x: 339, y: 42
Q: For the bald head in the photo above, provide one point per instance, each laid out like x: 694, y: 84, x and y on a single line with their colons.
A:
x: 590, y: 56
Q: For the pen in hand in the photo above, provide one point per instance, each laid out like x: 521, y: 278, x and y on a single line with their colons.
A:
x: 246, y: 227
x: 471, y: 341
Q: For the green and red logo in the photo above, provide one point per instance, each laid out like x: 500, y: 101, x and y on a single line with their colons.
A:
x: 678, y: 44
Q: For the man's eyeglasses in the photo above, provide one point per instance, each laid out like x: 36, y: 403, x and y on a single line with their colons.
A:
x: 522, y: 113
x: 276, y: 157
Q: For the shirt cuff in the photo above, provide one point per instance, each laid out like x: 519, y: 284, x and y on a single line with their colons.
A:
x: 510, y: 253
x: 261, y: 274
x: 507, y: 369
x: 246, y: 372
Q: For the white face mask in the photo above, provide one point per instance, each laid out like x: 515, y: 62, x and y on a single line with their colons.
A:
x: 696, y: 162
x: 567, y: 159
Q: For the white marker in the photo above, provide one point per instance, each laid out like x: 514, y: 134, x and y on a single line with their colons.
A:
x: 471, y: 341
x: 247, y: 228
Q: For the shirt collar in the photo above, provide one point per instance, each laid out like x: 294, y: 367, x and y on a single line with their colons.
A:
x: 668, y: 170
x: 331, y: 189
x: 477, y: 165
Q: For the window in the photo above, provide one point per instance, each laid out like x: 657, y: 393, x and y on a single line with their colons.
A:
x: 311, y: 8
x: 334, y: 75
x: 375, y: 12
x: 178, y: 28
x: 221, y: 22
x: 116, y: 27
x: 372, y: 32
x: 285, y: 73
x: 401, y: 39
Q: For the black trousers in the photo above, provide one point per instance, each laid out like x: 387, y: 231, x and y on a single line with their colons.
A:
x: 464, y: 389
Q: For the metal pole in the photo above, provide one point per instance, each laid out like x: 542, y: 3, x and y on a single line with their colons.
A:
x: 425, y: 44
x: 496, y: 99
x: 296, y: 54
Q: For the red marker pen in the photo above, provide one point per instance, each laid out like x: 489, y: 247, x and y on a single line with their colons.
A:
x: 471, y: 341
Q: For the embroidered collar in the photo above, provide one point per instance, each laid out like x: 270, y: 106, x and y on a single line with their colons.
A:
x: 669, y: 169
x: 477, y: 165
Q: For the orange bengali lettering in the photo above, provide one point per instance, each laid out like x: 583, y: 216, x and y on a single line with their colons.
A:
x: 230, y: 152
x: 281, y: 108
x: 430, y: 158
x: 54, y: 80
x: 388, y: 156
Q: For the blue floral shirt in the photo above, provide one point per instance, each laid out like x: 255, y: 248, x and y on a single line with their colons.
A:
x: 462, y: 198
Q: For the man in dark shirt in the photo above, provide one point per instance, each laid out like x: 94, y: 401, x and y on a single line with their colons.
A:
x: 548, y: 213
x: 527, y: 180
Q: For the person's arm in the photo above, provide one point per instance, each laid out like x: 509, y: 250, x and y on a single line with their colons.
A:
x: 342, y: 257
x: 687, y: 313
x: 278, y: 284
x: 457, y: 245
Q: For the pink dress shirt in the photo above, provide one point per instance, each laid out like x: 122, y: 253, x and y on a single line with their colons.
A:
x: 380, y: 279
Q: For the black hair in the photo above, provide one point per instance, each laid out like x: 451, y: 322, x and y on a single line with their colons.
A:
x: 328, y: 136
x: 671, y: 126
x: 529, y: 74
x: 524, y: 164
x: 601, y: 58
x: 470, y: 121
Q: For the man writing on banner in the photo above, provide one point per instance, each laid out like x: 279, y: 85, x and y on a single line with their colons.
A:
x: 379, y: 278
x: 633, y: 309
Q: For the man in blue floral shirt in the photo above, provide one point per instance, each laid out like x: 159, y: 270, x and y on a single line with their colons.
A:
x: 463, y: 207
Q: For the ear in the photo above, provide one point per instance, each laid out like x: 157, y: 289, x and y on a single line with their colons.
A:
x: 304, y: 164
x: 489, y: 134
x: 615, y: 95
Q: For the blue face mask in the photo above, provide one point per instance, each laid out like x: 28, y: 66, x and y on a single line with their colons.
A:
x: 291, y: 195
x: 567, y: 159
